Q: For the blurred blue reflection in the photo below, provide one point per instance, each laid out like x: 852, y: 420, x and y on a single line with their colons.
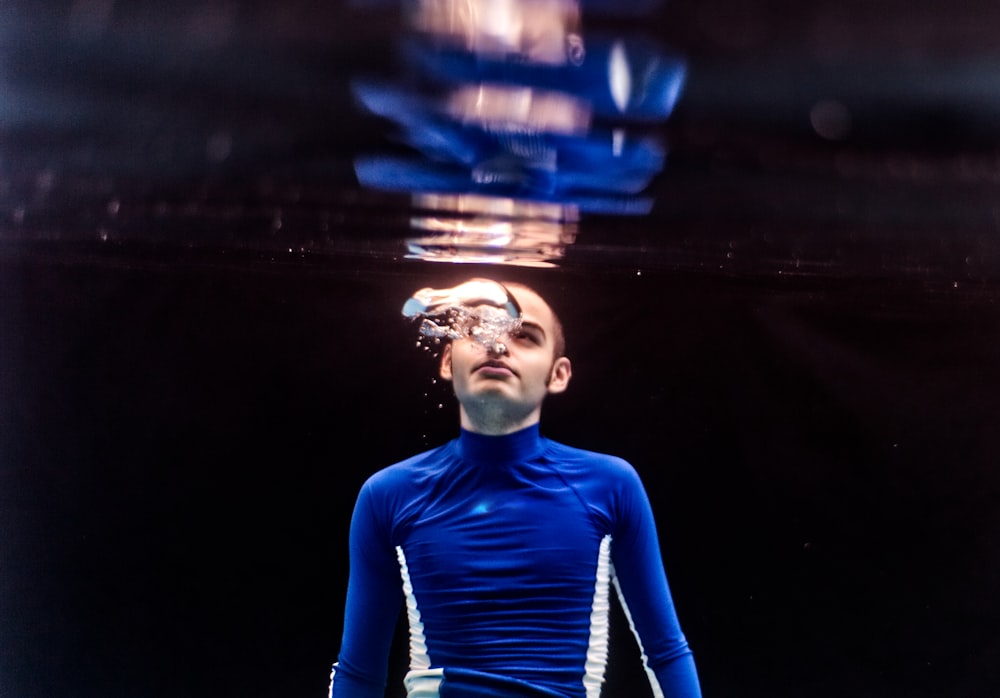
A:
x: 517, y: 121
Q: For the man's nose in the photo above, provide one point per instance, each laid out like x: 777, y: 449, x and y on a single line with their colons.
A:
x: 498, y: 348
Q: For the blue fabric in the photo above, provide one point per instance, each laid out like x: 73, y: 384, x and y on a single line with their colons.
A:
x: 591, y: 172
x: 412, y: 175
x: 656, y: 77
x: 501, y: 537
x: 472, y: 148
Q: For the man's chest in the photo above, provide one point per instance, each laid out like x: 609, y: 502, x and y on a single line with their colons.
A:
x: 523, y: 536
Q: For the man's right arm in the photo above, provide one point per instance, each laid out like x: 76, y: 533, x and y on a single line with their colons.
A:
x: 374, y: 600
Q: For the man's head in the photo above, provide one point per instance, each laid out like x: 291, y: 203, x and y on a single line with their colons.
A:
x: 501, y: 391
x: 558, y: 336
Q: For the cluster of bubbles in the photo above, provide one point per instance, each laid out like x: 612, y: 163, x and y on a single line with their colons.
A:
x: 484, y: 324
x: 479, y: 309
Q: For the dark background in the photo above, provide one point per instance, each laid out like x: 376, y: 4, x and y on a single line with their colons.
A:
x: 201, y: 356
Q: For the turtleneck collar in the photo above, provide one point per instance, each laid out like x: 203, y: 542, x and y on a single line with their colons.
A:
x: 507, y: 448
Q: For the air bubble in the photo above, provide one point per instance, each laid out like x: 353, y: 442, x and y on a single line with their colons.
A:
x: 479, y: 309
x: 831, y: 120
x: 219, y: 146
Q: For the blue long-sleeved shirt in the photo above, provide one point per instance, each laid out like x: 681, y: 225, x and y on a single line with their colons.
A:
x: 504, y: 550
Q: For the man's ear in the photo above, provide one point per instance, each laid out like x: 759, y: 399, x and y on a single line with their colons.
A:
x: 562, y: 371
x: 445, y: 368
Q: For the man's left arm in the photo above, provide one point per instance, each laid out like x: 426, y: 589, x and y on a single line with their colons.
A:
x: 645, y: 595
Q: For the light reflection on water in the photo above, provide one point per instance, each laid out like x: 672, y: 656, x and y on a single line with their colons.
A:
x: 232, y: 133
x: 481, y: 229
x: 518, y: 122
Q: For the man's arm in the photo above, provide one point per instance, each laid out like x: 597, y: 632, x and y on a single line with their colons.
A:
x: 374, y: 599
x: 642, y: 587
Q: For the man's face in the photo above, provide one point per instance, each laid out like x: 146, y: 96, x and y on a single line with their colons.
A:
x: 520, y: 377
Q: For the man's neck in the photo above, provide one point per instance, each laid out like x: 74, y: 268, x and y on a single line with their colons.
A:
x: 499, y: 423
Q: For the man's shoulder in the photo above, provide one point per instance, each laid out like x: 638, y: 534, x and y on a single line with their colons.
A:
x: 597, y: 476
x: 572, y: 456
x: 413, y: 469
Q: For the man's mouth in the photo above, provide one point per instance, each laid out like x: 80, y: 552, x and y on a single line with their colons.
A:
x: 494, y: 367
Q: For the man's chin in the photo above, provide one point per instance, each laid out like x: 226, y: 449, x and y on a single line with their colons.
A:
x: 486, y: 392
x: 492, y: 388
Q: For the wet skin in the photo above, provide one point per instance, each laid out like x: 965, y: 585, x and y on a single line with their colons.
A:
x: 500, y: 390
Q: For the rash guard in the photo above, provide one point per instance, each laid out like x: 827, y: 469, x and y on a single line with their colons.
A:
x: 504, y: 551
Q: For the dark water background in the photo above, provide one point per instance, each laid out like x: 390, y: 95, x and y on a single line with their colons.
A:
x: 202, y: 358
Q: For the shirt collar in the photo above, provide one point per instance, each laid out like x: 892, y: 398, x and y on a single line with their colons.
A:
x: 508, y: 448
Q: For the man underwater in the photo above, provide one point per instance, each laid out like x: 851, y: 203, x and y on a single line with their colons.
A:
x: 504, y: 545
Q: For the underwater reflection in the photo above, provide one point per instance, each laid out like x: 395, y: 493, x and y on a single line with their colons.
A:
x: 490, y: 230
x: 517, y: 122
x: 538, y: 31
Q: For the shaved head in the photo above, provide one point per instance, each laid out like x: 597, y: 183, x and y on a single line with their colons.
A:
x: 558, y: 336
